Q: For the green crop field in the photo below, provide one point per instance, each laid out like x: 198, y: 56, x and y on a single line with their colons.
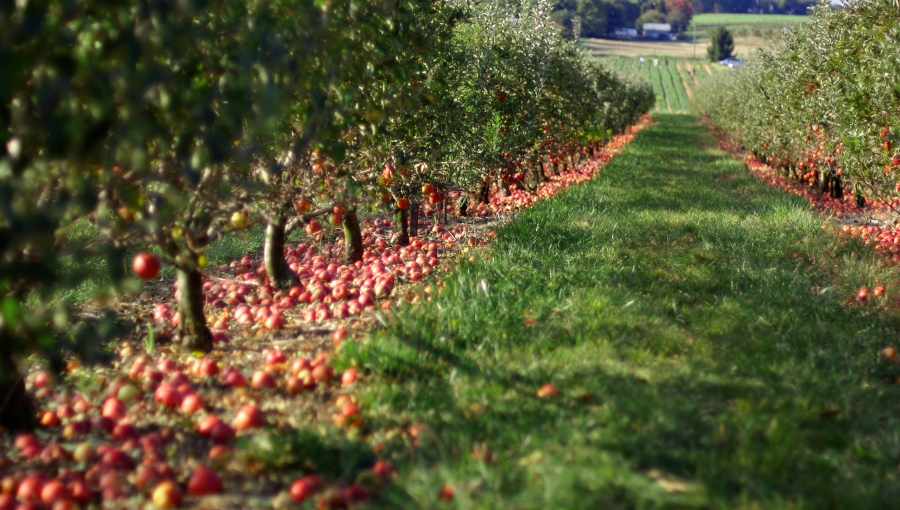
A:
x: 731, y: 19
x: 750, y: 31
x: 674, y: 80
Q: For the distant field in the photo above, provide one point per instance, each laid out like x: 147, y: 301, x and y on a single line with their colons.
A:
x: 751, y: 31
x: 766, y: 26
x: 674, y: 80
x: 746, y: 19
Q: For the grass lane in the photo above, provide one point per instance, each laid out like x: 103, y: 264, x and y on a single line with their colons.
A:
x: 671, y: 307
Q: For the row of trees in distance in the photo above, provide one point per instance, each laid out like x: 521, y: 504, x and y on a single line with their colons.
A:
x: 825, y: 105
x: 599, y: 18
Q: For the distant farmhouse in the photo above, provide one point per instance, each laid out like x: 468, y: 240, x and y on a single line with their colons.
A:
x: 626, y: 33
x: 662, y: 31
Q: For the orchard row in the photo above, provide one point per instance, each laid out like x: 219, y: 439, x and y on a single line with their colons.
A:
x: 823, y: 107
x: 179, y: 429
x: 167, y: 125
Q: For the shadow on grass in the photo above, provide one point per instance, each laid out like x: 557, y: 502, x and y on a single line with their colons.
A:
x: 669, y: 301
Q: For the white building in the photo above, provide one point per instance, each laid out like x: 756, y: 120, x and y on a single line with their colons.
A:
x: 658, y: 31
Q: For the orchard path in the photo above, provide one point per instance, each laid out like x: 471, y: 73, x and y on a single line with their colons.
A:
x: 695, y: 325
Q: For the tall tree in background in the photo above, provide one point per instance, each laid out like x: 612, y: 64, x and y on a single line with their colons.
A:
x: 679, y: 14
x: 593, y: 18
x: 622, y: 13
x: 651, y: 16
x: 721, y: 45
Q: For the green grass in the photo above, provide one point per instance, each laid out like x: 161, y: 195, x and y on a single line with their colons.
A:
x: 672, y: 307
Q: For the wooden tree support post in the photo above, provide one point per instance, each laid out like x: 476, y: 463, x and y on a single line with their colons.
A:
x: 195, y: 335
x: 353, y: 243
x: 401, y: 229
x: 280, y: 274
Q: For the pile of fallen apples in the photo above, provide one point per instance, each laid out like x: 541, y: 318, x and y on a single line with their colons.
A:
x: 172, y: 428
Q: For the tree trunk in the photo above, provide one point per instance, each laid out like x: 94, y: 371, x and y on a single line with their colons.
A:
x: 837, y: 190
x: 484, y: 194
x: 824, y: 181
x: 413, y: 219
x: 538, y: 174
x: 195, y: 335
x: 462, y: 207
x: 353, y: 243
x: 860, y: 196
x: 503, y: 187
x: 280, y: 274
x: 17, y: 411
x: 401, y: 229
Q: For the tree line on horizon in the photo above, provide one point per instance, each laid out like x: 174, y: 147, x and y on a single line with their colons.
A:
x: 598, y: 18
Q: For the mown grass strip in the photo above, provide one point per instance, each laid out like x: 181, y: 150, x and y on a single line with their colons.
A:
x: 669, y: 302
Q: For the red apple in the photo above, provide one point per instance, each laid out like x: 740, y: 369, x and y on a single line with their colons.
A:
x: 248, y: 417
x: 41, y: 379
x: 323, y: 373
x: 304, y: 488
x: 145, y: 265
x: 275, y: 357
x: 232, y: 378
x: 547, y: 390
x: 206, y: 424
x: 263, y: 379
x: 204, y: 481
x: 349, y: 376
x: 338, y: 336
x: 208, y: 367
x: 80, y: 491
x: 30, y: 487
x: 113, y: 408
x: 299, y: 364
x: 167, y: 495
x: 221, y: 432
x: 54, y: 491
x: 191, y: 403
